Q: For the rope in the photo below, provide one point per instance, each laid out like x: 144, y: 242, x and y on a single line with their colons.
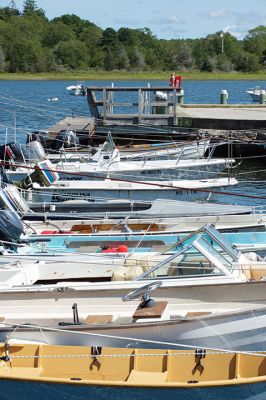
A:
x: 64, y: 356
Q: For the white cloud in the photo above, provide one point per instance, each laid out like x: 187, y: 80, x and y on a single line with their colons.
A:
x: 234, y: 30
x: 222, y: 13
x: 170, y: 21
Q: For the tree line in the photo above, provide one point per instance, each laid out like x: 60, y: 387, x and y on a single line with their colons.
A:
x: 30, y: 42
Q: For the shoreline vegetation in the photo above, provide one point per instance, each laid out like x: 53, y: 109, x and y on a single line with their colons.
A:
x: 120, y: 75
x: 34, y: 47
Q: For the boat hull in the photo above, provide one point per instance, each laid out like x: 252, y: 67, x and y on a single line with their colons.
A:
x: 28, y: 390
x: 104, y: 191
x: 240, y: 331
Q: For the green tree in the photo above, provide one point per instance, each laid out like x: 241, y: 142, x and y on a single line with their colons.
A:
x: 247, y: 62
x: 110, y: 60
x: 30, y: 8
x: 122, y: 59
x: 185, y: 56
x: 209, y: 64
x: 129, y: 37
x: 224, y: 63
x: 56, y: 32
x: 72, y: 54
x: 255, y: 41
x: 137, y: 59
x: 8, y: 12
x: 109, y: 38
x: 2, y: 60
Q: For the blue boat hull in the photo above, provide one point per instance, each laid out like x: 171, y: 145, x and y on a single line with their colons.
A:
x: 26, y: 390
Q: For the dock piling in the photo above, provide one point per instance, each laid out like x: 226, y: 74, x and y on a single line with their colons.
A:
x: 262, y: 96
x: 223, y: 96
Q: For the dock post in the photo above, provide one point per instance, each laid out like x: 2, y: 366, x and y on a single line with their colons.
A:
x: 223, y: 96
x: 262, y: 96
x: 140, y: 104
x: 175, y: 121
x: 181, y: 97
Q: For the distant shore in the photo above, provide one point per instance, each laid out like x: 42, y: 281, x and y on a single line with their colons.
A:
x: 120, y: 75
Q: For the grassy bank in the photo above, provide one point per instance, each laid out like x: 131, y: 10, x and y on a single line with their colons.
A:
x: 120, y: 75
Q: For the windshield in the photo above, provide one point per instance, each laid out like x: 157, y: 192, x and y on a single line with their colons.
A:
x: 206, y: 254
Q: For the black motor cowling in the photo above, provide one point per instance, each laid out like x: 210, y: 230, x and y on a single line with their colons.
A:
x: 11, y: 226
x: 9, y: 153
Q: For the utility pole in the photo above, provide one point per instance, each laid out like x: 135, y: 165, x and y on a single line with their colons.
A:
x: 222, y: 37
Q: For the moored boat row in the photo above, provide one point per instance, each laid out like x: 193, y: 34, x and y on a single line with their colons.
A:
x: 120, y: 277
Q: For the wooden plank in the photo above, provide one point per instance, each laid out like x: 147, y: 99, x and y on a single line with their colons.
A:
x: 151, y: 312
x: 197, y: 314
x: 98, y: 319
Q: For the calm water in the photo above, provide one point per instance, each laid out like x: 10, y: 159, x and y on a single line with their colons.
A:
x: 26, y: 102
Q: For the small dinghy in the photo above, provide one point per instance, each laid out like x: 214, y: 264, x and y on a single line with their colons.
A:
x: 95, y: 372
x: 77, y: 90
x: 256, y: 93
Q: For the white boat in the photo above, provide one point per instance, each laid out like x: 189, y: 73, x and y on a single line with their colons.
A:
x: 89, y: 191
x: 172, y: 151
x: 111, y: 166
x: 255, y: 93
x: 77, y: 90
x: 237, y: 330
x: 226, y: 280
x: 11, y: 199
x: 173, y: 225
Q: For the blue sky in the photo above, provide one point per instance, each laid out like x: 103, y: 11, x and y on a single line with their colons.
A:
x: 166, y: 19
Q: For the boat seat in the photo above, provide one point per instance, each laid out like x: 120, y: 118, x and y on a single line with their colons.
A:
x: 257, y: 274
x: 98, y: 319
x: 147, y: 377
x: 126, y: 273
x: 251, y: 268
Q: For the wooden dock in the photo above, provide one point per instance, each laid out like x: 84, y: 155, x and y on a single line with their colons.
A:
x: 148, y: 116
x: 222, y: 116
x: 106, y: 104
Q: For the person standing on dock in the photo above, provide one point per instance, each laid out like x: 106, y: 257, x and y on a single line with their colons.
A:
x: 175, y: 80
x: 172, y: 80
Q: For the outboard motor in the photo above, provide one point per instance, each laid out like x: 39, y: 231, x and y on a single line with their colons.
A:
x: 66, y: 139
x: 11, y: 227
x: 10, y: 153
x: 43, y: 175
x: 34, y: 151
x: 10, y: 198
x: 39, y: 136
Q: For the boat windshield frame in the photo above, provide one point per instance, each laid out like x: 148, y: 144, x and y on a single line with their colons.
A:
x: 224, y: 265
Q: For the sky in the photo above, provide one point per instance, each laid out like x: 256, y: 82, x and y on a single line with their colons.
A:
x: 171, y: 19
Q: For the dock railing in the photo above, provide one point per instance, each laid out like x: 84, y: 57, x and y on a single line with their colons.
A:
x: 138, y: 104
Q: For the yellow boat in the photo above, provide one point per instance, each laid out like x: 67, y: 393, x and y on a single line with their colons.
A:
x: 47, y: 372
